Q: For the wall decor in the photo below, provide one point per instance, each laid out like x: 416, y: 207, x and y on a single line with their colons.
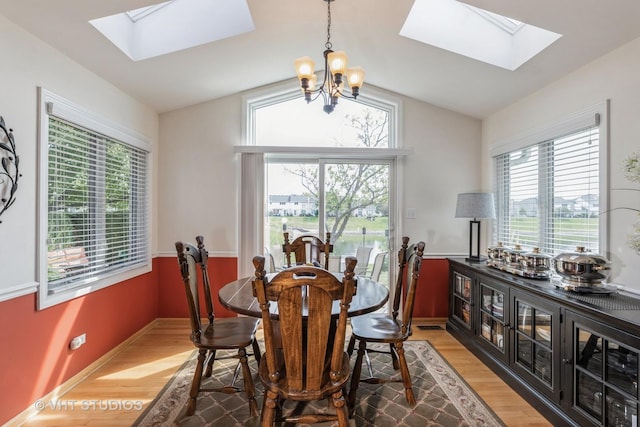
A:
x: 9, y: 173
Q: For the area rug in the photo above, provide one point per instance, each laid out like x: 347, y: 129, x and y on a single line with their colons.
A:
x: 443, y: 397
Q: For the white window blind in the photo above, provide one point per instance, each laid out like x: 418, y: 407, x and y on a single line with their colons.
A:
x: 97, y: 206
x: 548, y: 194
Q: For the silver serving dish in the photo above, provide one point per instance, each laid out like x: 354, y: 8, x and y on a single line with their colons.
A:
x: 512, y: 256
x: 536, y: 261
x: 496, y: 254
x: 533, y: 265
x: 581, y: 268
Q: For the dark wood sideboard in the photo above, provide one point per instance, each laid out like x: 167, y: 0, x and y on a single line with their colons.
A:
x: 573, y: 356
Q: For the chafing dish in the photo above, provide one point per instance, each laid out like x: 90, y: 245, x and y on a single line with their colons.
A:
x: 496, y: 254
x: 512, y: 256
x: 533, y: 264
x: 536, y: 261
x: 581, y: 268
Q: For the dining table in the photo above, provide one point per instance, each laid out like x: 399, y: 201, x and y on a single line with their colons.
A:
x: 238, y: 297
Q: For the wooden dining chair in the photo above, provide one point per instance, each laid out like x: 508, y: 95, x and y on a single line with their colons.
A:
x: 307, y: 249
x: 388, y: 328
x: 397, y: 298
x: 234, y: 333
x: 309, y: 363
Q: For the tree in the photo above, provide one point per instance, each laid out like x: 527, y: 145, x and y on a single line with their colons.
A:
x: 354, y: 186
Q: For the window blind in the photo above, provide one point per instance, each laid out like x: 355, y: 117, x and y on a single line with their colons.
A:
x: 97, y: 206
x: 548, y: 193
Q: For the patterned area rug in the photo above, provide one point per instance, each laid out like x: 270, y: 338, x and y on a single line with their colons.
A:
x: 443, y: 397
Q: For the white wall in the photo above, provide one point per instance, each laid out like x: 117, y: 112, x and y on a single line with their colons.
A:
x: 26, y: 64
x: 445, y: 161
x: 614, y: 76
x: 199, y: 175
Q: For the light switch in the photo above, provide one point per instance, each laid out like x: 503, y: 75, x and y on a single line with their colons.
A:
x: 411, y: 213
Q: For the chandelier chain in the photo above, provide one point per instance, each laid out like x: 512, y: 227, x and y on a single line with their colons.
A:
x: 328, y: 44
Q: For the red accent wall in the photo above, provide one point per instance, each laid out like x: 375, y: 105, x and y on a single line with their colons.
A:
x: 172, y: 301
x: 35, y: 356
x: 432, y: 295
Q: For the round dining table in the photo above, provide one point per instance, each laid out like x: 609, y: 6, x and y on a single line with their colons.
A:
x: 238, y: 297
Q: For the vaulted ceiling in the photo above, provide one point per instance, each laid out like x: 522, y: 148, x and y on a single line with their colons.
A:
x: 368, y: 30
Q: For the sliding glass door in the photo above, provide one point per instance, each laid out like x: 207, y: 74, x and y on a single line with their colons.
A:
x: 349, y: 199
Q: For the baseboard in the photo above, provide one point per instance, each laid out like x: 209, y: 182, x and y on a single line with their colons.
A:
x: 423, y: 320
x: 80, y: 376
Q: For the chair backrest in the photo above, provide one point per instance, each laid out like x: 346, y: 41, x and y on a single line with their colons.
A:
x: 414, y: 262
x: 402, y: 262
x: 306, y: 249
x: 308, y: 293
x: 363, y: 253
x: 378, y: 263
x: 189, y: 258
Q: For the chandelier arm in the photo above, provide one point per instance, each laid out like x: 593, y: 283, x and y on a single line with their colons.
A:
x: 345, y: 95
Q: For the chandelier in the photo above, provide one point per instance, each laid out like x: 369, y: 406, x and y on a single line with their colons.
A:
x: 335, y: 71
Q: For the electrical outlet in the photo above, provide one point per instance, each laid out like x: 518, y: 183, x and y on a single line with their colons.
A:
x: 78, y: 341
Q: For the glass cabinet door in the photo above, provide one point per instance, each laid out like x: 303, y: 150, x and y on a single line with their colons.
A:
x: 533, y: 341
x: 462, y: 299
x: 605, y: 374
x: 492, y: 315
x: 536, y: 342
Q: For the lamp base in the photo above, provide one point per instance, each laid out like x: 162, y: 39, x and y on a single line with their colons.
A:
x: 476, y: 260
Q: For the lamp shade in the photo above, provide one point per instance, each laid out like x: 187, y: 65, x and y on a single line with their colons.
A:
x: 305, y: 67
x: 337, y: 62
x: 355, y: 76
x: 475, y: 205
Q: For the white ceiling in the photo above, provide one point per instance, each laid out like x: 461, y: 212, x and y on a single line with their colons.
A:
x: 368, y: 30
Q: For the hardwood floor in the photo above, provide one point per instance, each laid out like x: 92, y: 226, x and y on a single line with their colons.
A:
x: 116, y: 393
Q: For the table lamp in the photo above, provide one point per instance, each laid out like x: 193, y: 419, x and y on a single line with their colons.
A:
x: 476, y: 206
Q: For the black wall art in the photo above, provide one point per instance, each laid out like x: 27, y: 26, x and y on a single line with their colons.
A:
x: 9, y: 173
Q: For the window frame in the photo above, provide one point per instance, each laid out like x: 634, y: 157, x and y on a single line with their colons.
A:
x: 290, y: 89
x: 596, y: 115
x: 52, y: 105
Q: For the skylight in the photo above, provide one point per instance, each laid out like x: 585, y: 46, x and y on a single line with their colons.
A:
x: 174, y: 25
x: 476, y: 33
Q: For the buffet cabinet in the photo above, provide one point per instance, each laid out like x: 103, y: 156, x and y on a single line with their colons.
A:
x: 572, y: 356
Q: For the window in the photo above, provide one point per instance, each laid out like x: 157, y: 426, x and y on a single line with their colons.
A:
x: 295, y: 152
x: 549, y: 193
x: 93, y: 202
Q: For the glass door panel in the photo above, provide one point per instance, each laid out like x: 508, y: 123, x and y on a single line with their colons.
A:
x: 605, y: 373
x: 292, y: 205
x: 492, y: 316
x: 462, y: 298
x: 356, y: 212
x: 622, y: 368
x: 534, y: 344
